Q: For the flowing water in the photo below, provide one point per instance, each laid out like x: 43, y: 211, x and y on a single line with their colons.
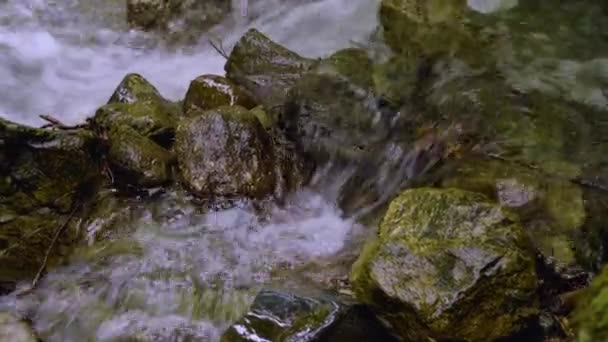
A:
x: 177, y: 273
x: 174, y: 271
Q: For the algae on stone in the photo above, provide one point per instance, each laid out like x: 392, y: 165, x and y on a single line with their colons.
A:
x: 225, y: 152
x: 137, y: 104
x: 45, y: 174
x: 265, y: 68
x: 137, y: 160
x: 448, y: 263
x: 590, y: 318
x: 210, y: 91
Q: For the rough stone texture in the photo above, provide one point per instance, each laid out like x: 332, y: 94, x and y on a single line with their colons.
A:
x: 43, y: 175
x: 137, y: 160
x: 448, y: 264
x: 210, y: 91
x: 138, y: 104
x: 192, y: 14
x: 265, y: 68
x: 225, y: 152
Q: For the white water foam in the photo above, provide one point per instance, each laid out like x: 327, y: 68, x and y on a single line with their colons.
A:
x: 65, y: 57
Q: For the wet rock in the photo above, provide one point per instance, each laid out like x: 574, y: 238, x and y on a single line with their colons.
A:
x: 159, y: 14
x: 280, y: 316
x: 211, y: 91
x: 589, y: 317
x: 448, y: 264
x: 137, y: 104
x: 137, y: 160
x: 265, y: 68
x: 43, y: 175
x: 15, y: 330
x: 397, y: 80
x: 331, y: 111
x: 225, y: 152
x: 437, y: 27
x: 529, y: 128
x: 552, y: 208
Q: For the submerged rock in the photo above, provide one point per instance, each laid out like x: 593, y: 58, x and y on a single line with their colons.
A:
x: 280, y: 316
x: 448, y: 264
x: 44, y: 175
x: 15, y: 330
x: 157, y: 14
x: 210, y: 91
x: 225, y: 152
x: 137, y: 104
x: 265, y: 68
x: 137, y: 160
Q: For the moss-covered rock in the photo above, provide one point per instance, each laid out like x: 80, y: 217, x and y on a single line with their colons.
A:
x: 396, y: 80
x: 437, y: 27
x: 279, y: 316
x: 44, y: 175
x: 157, y: 14
x: 552, y: 208
x: 137, y: 160
x: 329, y: 116
x: 353, y: 64
x: 211, y: 91
x: 136, y: 103
x: 527, y: 128
x: 448, y: 264
x: 15, y: 330
x: 590, y: 318
x: 225, y: 152
x: 265, y: 68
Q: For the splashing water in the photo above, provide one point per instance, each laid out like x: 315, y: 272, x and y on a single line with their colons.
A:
x: 175, y: 273
x: 65, y: 57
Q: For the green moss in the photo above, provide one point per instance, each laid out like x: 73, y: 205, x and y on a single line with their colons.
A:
x: 267, y: 119
x: 137, y: 159
x: 590, y: 317
x: 134, y: 88
x: 266, y: 69
x: 225, y: 152
x: 354, y: 64
x: 211, y: 91
x: 451, y: 263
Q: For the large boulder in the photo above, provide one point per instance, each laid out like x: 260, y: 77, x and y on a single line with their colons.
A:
x: 137, y: 104
x: 265, y: 68
x: 225, y: 152
x: 211, y: 91
x: 448, y: 264
x: 137, y: 160
x: 44, y: 177
x: 552, y: 209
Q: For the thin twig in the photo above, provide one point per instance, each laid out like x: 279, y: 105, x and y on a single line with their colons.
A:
x: 47, y: 255
x: 219, y: 47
